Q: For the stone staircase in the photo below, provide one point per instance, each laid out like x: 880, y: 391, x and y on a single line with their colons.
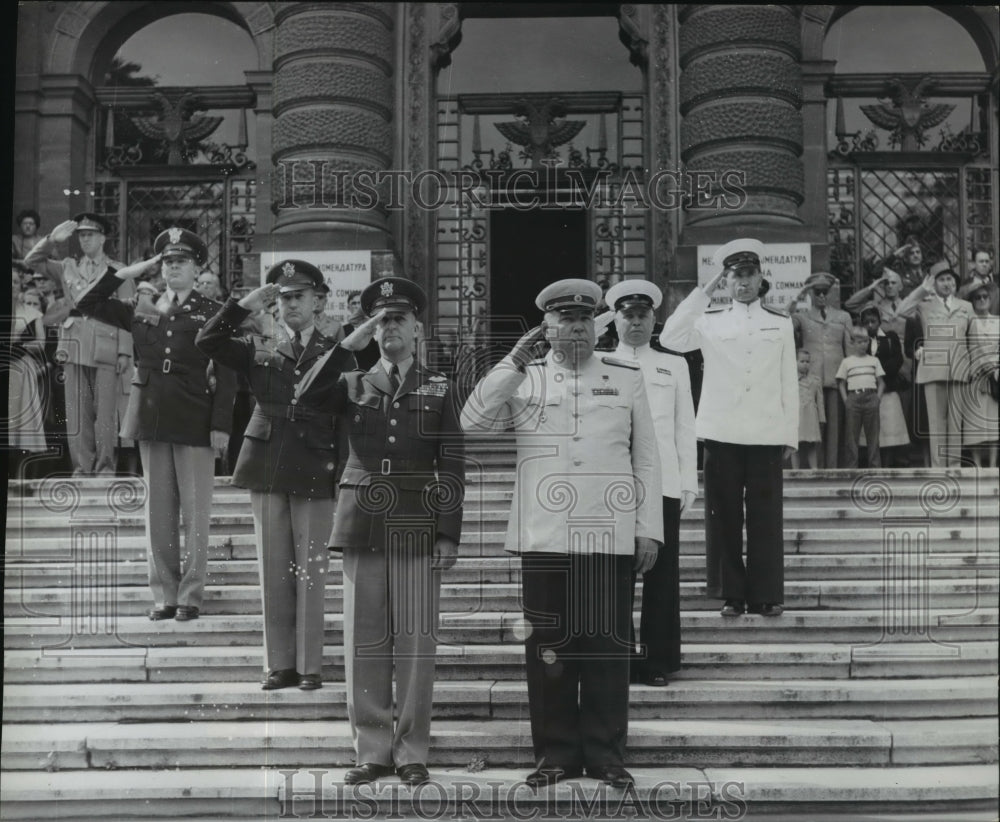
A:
x: 876, y: 692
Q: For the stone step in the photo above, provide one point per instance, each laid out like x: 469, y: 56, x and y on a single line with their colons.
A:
x: 863, y: 627
x: 499, y: 743
x: 475, y: 597
x: 485, y: 699
x: 223, y: 570
x: 235, y: 539
x: 958, y: 793
x: 187, y: 659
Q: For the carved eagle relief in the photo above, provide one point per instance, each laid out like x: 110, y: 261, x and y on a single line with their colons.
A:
x: 910, y: 115
x: 174, y: 127
x: 540, y: 127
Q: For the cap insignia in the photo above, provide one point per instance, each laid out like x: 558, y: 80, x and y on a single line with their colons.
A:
x: 174, y: 234
x: 288, y: 269
x: 578, y: 298
x: 386, y: 289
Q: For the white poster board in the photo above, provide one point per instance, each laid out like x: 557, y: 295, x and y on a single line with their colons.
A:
x: 343, y: 271
x: 785, y: 265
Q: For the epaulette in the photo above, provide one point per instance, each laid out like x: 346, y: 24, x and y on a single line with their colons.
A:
x: 620, y: 363
x: 717, y: 309
x: 776, y: 311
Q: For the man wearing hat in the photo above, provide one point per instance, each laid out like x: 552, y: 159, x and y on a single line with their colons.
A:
x: 179, y: 419
x: 748, y: 418
x: 668, y: 386
x: 398, y: 524
x: 94, y: 355
x: 287, y: 461
x: 938, y: 342
x: 824, y: 332
x: 586, y: 515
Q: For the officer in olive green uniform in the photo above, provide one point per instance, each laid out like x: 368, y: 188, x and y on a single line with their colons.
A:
x: 179, y: 419
x: 287, y: 461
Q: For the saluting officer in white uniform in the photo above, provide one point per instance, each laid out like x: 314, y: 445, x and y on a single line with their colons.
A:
x: 748, y: 418
x: 668, y: 385
x: 585, y: 511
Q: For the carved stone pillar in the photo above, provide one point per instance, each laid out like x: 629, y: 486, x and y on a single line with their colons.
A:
x: 333, y: 108
x: 741, y: 93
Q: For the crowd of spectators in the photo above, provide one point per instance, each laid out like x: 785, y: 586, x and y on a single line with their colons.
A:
x: 932, y: 331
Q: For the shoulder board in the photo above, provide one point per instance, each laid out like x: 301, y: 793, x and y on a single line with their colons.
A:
x: 717, y: 310
x: 537, y: 363
x: 620, y: 363
x: 776, y: 311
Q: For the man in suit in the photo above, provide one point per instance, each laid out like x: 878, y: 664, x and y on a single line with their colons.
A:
x: 586, y: 515
x: 668, y: 385
x: 287, y: 461
x: 939, y: 349
x: 748, y: 417
x: 94, y: 354
x: 824, y: 332
x: 398, y: 524
x: 179, y: 419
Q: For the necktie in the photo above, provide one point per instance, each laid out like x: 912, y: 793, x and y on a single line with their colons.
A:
x: 822, y: 313
x: 893, y: 304
x: 394, y: 379
x: 947, y: 303
x: 297, y: 344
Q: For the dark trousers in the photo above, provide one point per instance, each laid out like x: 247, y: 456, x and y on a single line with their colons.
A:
x: 660, y: 622
x: 578, y: 609
x: 861, y: 411
x: 738, y: 475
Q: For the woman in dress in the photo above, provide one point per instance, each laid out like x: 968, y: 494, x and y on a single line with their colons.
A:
x: 979, y: 399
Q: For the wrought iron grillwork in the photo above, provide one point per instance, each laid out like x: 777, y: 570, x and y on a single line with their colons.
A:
x: 609, y: 145
x: 221, y: 212
x: 872, y: 212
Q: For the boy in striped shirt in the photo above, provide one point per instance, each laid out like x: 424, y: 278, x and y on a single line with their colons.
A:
x: 861, y: 381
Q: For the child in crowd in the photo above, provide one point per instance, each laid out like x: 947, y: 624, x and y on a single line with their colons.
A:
x: 861, y: 381
x: 894, y: 440
x: 812, y: 414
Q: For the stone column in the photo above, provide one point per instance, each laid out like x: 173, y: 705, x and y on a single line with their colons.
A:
x: 741, y: 94
x: 333, y: 109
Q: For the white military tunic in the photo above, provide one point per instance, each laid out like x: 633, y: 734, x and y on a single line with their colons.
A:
x: 588, y: 473
x: 750, y: 393
x: 668, y: 386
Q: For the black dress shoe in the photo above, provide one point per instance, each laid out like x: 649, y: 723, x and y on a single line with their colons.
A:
x: 310, y: 682
x: 614, y: 775
x: 282, y: 678
x: 655, y: 678
x: 549, y: 775
x: 368, y: 772
x: 413, y: 774
x: 771, y: 609
x: 186, y: 612
x: 166, y: 612
x: 733, y: 607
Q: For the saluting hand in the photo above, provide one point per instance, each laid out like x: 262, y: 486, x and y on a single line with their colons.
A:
x: 523, y: 351
x: 712, y: 284
x: 62, y: 232
x: 359, y: 338
x: 646, y: 552
x: 260, y: 298
x: 134, y: 271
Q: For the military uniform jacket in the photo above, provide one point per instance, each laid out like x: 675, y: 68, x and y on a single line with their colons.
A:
x: 588, y: 466
x: 942, y: 335
x: 825, y: 340
x: 172, y: 398
x: 404, y: 474
x: 668, y: 386
x: 750, y: 393
x: 289, y: 447
x: 82, y: 340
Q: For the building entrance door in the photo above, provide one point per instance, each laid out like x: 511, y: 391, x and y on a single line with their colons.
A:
x: 529, y: 250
